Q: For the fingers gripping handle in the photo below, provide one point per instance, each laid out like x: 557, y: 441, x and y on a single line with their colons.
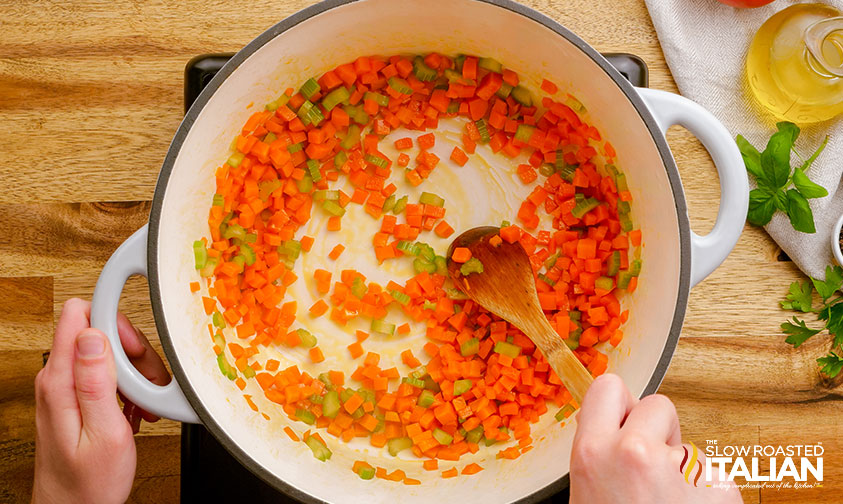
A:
x: 129, y: 259
x: 709, y: 251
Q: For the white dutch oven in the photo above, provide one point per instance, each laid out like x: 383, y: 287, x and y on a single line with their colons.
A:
x: 316, y: 40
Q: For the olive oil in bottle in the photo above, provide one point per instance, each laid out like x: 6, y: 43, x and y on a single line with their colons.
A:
x: 795, y: 63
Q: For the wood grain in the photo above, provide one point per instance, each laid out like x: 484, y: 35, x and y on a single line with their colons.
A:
x: 91, y: 93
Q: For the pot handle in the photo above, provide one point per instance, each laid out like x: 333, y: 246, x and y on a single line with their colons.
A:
x: 129, y: 259
x: 709, y: 251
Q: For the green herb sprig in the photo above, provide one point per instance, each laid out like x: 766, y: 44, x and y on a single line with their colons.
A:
x: 781, y: 187
x: 799, y: 299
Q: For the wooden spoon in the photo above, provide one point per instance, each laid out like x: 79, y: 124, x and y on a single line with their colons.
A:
x: 507, y: 288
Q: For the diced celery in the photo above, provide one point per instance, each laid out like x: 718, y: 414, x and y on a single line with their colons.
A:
x: 441, y: 265
x: 266, y: 188
x: 308, y: 340
x: 613, y: 264
x: 335, y: 97
x: 421, y: 265
x: 429, y: 305
x: 575, y: 104
x: 508, y: 349
x: 623, y: 207
x: 396, y: 445
x: 340, y: 159
x: 235, y: 159
x: 483, y: 130
x: 210, y: 266
x: 427, y: 198
x: 248, y: 372
x: 389, y: 204
x: 475, y: 434
x: 400, y: 85
x: 425, y: 399
x: 399, y: 296
x: 218, y: 320
x: 426, y: 251
x: 248, y: 254
x: 305, y: 416
x: 470, y: 347
x: 473, y: 265
x: 430, y: 384
x: 416, y: 382
x: 292, y: 149
x: 290, y: 248
x: 400, y: 205
x: 269, y: 138
x: 305, y: 185
x: 379, y: 326
x: 324, y: 194
x: 453, y: 76
x: 310, y: 88
x: 333, y: 208
x: 352, y: 137
x: 546, y: 170
x: 524, y: 132
x: 378, y: 98
x: 620, y: 182
x: 522, y: 95
x: 505, y: 90
x: 316, y: 399
x: 626, y: 222
x: 490, y: 64
x: 462, y: 386
x: 325, y: 378
x: 604, y: 283
x: 313, y: 170
x: 458, y: 61
x: 200, y: 254
x: 443, y: 437
x: 331, y: 404
x: 455, y: 294
x: 422, y: 72
x: 366, y: 473
x: 320, y: 451
x: 219, y: 200
x: 234, y: 231
x: 584, y: 206
x: 376, y: 160
x: 544, y: 278
x: 227, y: 369
x: 358, y: 288
x: 635, y: 267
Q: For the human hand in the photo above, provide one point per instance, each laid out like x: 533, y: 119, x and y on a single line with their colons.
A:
x: 84, y: 448
x: 630, y: 451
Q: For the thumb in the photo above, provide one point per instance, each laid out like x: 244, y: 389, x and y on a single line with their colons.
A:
x: 96, y: 383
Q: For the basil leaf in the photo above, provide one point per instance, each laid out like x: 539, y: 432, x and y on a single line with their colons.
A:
x: 775, y: 160
x: 806, y: 187
x: 751, y: 156
x: 781, y: 200
x: 789, y: 129
x: 801, y: 216
x: 807, y: 164
x: 762, y: 206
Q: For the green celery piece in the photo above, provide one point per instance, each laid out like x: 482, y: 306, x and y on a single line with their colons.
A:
x: 508, y: 349
x: 416, y: 382
x: 470, y: 347
x: 227, y: 369
x: 248, y: 254
x: 310, y: 88
x: 505, y: 90
x: 490, y: 64
x: 396, y: 445
x: 218, y: 200
x: 474, y: 435
x: 524, y: 132
x: 522, y: 95
x: 210, y: 266
x: 366, y: 473
x: 358, y: 288
x: 400, y: 85
x: 614, y: 264
x: 427, y: 198
x: 425, y: 399
x: 352, y: 137
x: 442, y: 437
x: 462, y: 386
x: 308, y: 340
x: 376, y: 160
x: 389, y: 204
x: 331, y: 404
x: 400, y: 205
x: 305, y: 416
x: 379, y: 326
x: 422, y: 72
x: 320, y: 451
x: 402, y: 298
x: 441, y: 265
x: 218, y: 320
x: 234, y: 231
x: 335, y: 97
x: 585, y: 206
x: 483, y: 130
x: 333, y: 208
x: 200, y: 254
x: 420, y: 265
x: 378, y: 98
x: 305, y: 185
x: 546, y: 170
x: 235, y: 159
x: 604, y: 283
x: 564, y: 413
x: 313, y: 170
x: 473, y: 265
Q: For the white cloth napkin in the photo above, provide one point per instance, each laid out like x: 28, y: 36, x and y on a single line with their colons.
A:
x: 705, y: 44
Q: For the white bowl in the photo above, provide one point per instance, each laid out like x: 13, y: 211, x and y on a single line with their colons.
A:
x: 835, y: 241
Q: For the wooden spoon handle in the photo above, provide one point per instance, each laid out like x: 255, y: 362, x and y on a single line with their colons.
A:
x: 562, y: 359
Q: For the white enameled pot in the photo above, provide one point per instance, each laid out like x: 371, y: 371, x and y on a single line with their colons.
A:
x: 316, y: 40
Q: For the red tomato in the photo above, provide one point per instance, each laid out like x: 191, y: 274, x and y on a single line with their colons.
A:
x: 746, y: 3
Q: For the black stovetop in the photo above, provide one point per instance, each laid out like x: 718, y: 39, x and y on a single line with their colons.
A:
x: 208, y: 471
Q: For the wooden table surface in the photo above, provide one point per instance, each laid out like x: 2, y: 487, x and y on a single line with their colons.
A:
x: 90, y: 96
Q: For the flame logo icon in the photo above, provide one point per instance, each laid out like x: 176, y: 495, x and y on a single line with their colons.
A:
x: 686, y: 467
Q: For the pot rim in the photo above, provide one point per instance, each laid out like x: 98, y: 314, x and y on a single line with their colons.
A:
x: 279, y: 28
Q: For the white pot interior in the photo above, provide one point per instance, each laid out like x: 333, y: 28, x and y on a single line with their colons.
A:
x: 386, y: 27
